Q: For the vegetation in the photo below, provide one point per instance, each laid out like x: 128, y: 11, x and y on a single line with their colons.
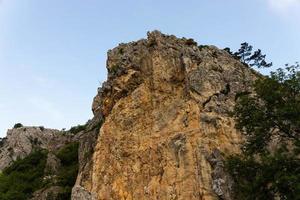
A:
x: 68, y: 156
x: 77, y: 129
x: 23, y: 177
x: 202, y: 47
x: 246, y: 56
x: 114, y: 69
x: 191, y: 42
x: 18, y: 125
x: 2, y: 141
x: 254, y: 59
x: 269, y: 167
x: 42, y: 128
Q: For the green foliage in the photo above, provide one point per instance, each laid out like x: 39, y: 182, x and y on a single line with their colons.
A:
x: 273, y: 111
x: 256, y: 58
x: 2, y: 140
x: 227, y: 49
x: 190, y: 42
x: 201, y: 47
x: 77, y: 129
x: 68, y: 156
x: 274, y: 175
x: 114, y: 69
x: 18, y: 125
x: 23, y: 177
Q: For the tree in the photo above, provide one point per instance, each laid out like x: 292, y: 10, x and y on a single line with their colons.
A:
x: 255, y: 59
x: 269, y: 166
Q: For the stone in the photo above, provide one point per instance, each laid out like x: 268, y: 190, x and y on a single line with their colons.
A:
x: 79, y: 193
x: 165, y: 108
x: 222, y: 183
x: 50, y: 193
x: 52, y: 164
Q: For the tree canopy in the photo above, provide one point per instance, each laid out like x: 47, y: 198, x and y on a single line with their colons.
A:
x: 269, y: 116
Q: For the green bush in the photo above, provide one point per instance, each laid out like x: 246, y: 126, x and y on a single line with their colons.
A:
x: 77, y: 129
x: 68, y: 156
x: 23, y: 177
x: 18, y: 125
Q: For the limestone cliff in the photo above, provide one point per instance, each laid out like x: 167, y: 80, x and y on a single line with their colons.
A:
x: 166, y: 106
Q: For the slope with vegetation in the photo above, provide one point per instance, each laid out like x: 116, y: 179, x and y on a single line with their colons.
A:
x: 23, y: 177
x: 26, y: 176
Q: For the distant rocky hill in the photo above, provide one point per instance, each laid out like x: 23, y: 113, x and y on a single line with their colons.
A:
x: 21, y: 141
x: 160, y: 129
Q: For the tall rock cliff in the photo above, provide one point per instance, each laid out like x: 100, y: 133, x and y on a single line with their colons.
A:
x: 165, y: 108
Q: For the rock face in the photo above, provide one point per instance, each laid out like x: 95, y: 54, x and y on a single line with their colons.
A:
x: 87, y: 142
x: 50, y: 193
x: 21, y: 141
x: 166, y: 106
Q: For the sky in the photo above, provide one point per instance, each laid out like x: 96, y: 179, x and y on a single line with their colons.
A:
x: 53, y: 52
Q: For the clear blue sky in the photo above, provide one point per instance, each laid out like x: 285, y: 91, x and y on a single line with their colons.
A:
x: 53, y: 52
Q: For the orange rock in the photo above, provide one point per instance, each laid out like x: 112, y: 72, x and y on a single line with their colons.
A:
x: 166, y: 105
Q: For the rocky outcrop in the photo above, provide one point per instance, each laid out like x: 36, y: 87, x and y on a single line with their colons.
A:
x: 50, y: 193
x: 87, y: 142
x: 166, y: 106
x: 222, y: 183
x: 21, y: 141
x: 52, y: 164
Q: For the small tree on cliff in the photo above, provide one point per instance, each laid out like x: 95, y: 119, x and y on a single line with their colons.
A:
x: 269, y: 167
x: 254, y: 59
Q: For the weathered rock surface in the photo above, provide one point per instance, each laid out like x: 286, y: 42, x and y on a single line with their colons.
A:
x: 50, y: 193
x: 165, y: 105
x: 87, y: 142
x: 21, y: 141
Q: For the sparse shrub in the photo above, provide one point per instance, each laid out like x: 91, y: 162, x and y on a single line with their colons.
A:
x: 201, y: 47
x: 114, y: 69
x: 121, y: 50
x: 77, y: 129
x: 68, y: 156
x: 227, y: 49
x: 2, y: 140
x: 18, y: 125
x: 190, y: 42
